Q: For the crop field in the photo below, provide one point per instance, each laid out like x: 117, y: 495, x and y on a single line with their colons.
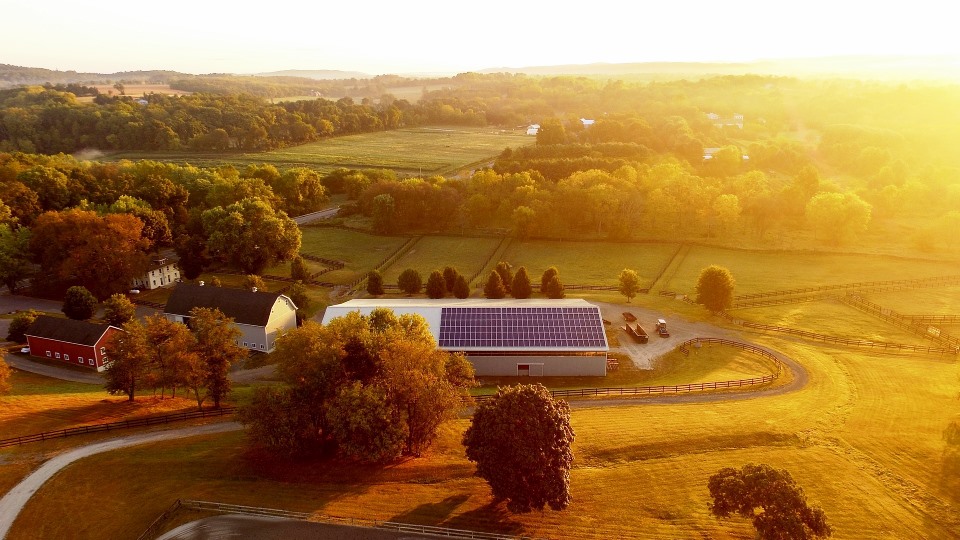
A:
x: 359, y: 251
x: 423, y: 151
x: 590, y: 263
x: 758, y: 271
x: 431, y: 253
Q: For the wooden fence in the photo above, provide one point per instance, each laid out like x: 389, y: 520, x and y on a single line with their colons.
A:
x: 111, y: 426
x: 386, y: 261
x: 910, y: 283
x: 886, y: 346
x: 926, y: 331
x: 408, y: 528
x: 933, y: 319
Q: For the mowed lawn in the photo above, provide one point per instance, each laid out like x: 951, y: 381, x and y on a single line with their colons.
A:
x: 864, y: 438
x: 940, y: 301
x: 589, y: 263
x: 430, y: 253
x: 359, y: 251
x: 423, y: 150
x: 759, y: 271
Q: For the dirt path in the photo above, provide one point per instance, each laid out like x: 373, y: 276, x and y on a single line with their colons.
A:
x: 16, y: 498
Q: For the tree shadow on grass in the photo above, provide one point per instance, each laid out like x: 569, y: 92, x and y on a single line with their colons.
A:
x: 492, y: 517
x: 945, y: 512
x: 431, y: 513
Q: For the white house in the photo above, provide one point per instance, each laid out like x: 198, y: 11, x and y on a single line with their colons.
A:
x: 162, y: 272
x: 533, y: 129
x: 259, y: 315
x: 586, y: 122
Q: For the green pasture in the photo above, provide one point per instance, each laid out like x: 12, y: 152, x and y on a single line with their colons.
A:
x: 760, y: 271
x: 589, y: 263
x: 412, y: 151
x: 939, y: 301
x: 431, y: 253
x: 359, y: 251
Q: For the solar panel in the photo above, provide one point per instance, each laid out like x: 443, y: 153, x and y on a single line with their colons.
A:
x: 540, y: 327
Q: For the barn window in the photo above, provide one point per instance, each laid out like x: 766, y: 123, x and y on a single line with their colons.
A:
x: 261, y: 346
x: 80, y: 359
x: 90, y: 361
x: 245, y: 344
x: 48, y: 354
x: 58, y: 355
x: 103, y: 350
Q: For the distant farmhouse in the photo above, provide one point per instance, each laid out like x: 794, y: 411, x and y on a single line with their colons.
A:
x: 533, y: 129
x: 259, y: 315
x: 709, y: 152
x: 81, y: 343
x: 586, y: 122
x: 162, y: 272
x: 721, y: 121
x: 531, y: 337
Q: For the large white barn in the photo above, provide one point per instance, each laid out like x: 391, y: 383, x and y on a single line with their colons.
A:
x: 532, y: 337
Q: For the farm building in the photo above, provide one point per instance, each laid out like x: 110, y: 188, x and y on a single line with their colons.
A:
x: 507, y: 337
x: 162, y: 272
x: 259, y: 315
x: 78, y: 342
x: 533, y: 129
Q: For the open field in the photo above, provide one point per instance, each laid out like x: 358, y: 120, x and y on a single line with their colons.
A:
x: 431, y: 253
x: 945, y: 301
x: 760, y: 271
x: 640, y: 471
x: 590, y: 263
x: 359, y: 251
x: 423, y: 151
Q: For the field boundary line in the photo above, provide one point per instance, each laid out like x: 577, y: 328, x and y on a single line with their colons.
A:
x: 669, y: 263
x: 500, y: 249
x: 926, y: 331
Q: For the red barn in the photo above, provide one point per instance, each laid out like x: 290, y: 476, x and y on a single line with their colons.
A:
x: 80, y: 343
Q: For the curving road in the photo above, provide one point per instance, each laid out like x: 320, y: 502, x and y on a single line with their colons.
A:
x: 16, y: 498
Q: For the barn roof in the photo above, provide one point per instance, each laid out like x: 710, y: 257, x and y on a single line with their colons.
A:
x: 68, y: 330
x: 243, y: 306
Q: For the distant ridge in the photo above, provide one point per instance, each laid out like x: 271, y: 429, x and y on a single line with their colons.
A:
x: 317, y: 74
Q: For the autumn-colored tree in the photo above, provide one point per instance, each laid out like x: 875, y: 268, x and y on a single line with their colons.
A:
x: 838, y: 216
x: 217, y: 347
x: 461, y: 289
x: 715, y: 288
x: 128, y: 356
x: 629, y: 283
x: 5, y: 373
x: 783, y: 510
x: 172, y: 353
x: 251, y: 235
x: 118, y: 309
x: 102, y: 253
x: 374, y: 283
x: 521, y: 442
x: 521, y: 287
x: 215, y: 282
x: 436, y: 285
x: 363, y: 423
x: 79, y: 303
x: 253, y: 281
x: 494, y: 288
x: 410, y: 281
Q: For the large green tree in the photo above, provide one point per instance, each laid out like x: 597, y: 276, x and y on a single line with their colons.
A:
x: 494, y: 288
x: 375, y: 283
x: 251, y: 235
x: 771, y: 498
x: 461, y: 289
x: 118, y: 309
x: 629, y: 283
x: 18, y: 326
x: 521, y: 287
x: 521, y: 441
x: 410, y: 281
x: 715, y: 288
x: 436, y: 285
x: 838, y: 216
x: 14, y: 255
x: 79, y: 303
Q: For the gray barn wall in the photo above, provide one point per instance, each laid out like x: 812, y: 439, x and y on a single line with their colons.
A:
x: 553, y: 366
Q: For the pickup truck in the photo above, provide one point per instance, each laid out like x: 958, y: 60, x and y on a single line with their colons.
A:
x: 662, y: 328
x: 638, y: 334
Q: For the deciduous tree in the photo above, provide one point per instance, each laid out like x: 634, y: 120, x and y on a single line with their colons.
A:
x: 375, y: 283
x: 715, y: 288
x: 79, y: 303
x: 218, y: 349
x: 521, y: 442
x: 771, y: 498
x: 251, y: 235
x: 5, y: 373
x: 629, y: 283
x: 18, y: 326
x: 299, y: 270
x: 436, y: 286
x: 521, y: 287
x: 128, y: 355
x: 118, y: 309
x: 253, y: 281
x: 14, y: 255
x: 494, y: 288
x: 364, y: 424
x: 838, y: 216
x: 410, y: 281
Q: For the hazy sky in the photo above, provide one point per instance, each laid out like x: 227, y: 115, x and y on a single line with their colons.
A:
x: 204, y: 36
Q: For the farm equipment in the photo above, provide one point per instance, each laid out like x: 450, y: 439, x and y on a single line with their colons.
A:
x: 662, y: 328
x: 637, y: 333
x: 629, y: 317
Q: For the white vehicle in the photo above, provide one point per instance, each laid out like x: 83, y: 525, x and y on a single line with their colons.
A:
x: 25, y: 350
x: 134, y: 291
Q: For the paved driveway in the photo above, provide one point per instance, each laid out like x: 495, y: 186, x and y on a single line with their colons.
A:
x: 272, y: 528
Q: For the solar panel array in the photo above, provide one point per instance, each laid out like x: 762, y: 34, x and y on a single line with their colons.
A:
x: 506, y: 327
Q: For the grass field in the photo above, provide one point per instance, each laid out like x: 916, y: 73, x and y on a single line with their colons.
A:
x: 590, y: 263
x: 359, y: 251
x: 758, y: 271
x: 431, y: 253
x: 864, y: 439
x: 945, y: 301
x: 423, y: 151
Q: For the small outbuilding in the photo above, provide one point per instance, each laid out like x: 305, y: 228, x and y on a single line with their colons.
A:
x: 259, y: 315
x: 509, y: 337
x: 81, y: 343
